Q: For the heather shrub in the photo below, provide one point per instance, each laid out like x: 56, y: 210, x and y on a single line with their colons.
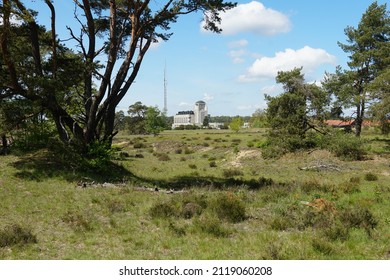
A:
x: 212, y: 225
x: 370, y: 177
x: 229, y: 207
x: 347, y: 146
x: 231, y: 172
x: 163, y: 209
x: 16, y: 235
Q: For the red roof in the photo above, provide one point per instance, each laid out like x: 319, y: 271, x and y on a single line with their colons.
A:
x: 339, y: 123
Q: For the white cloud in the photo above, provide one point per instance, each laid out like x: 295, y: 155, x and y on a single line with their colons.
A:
x: 255, y: 18
x: 208, y: 97
x: 184, y: 104
x: 253, y: 107
x: 238, y: 44
x: 237, y: 55
x: 272, y: 89
x: 267, y: 67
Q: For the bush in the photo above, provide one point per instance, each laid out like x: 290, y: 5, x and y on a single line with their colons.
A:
x: 231, y: 172
x: 350, y: 187
x: 272, y: 151
x: 163, y: 157
x: 98, y: 156
x: 190, y: 210
x: 347, y: 146
x: 359, y: 217
x: 163, y: 210
x: 16, y: 235
x: 192, y: 166
x: 211, y: 225
x: 213, y: 164
x: 336, y: 231
x: 139, y: 145
x: 79, y: 221
x: 322, y: 246
x: 229, y: 207
x: 371, y: 177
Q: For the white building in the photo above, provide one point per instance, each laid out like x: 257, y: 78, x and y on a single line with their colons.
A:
x: 183, y: 118
x: 201, y: 112
x: 195, y: 117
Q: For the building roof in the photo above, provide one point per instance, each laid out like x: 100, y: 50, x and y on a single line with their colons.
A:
x: 339, y: 123
x: 186, y: 113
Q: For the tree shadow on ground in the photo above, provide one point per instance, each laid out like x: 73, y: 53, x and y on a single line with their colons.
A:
x: 188, y: 182
x: 44, y: 164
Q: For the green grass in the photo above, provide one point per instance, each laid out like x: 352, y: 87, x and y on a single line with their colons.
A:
x: 241, y: 207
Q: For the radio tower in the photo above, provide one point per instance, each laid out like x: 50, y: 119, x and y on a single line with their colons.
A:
x: 165, y: 110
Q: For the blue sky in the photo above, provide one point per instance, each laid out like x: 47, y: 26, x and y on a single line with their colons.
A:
x: 232, y: 71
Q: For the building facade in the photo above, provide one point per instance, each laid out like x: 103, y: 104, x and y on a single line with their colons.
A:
x: 183, y: 118
x: 195, y: 117
x: 201, y: 112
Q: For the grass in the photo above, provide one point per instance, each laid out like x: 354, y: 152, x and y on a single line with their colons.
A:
x: 265, y: 209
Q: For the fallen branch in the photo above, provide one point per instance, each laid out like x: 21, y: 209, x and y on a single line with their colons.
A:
x: 320, y: 167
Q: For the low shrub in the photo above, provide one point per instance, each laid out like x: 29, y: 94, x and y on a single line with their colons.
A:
x: 79, y: 221
x: 350, y: 187
x: 250, y: 144
x: 213, y: 164
x: 139, y: 145
x: 322, y: 246
x: 190, y: 210
x: 164, y: 209
x: 177, y: 229
x: 210, y: 224
x: 272, y: 151
x: 354, y: 180
x: 347, y: 146
x: 336, y: 231
x: 192, y: 166
x: 116, y: 206
x: 231, y: 172
x: 359, y: 217
x: 163, y: 157
x: 98, y: 156
x: 16, y: 235
x: 370, y: 177
x: 229, y: 207
x: 313, y: 185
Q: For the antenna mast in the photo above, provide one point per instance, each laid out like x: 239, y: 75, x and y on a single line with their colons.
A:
x: 165, y: 110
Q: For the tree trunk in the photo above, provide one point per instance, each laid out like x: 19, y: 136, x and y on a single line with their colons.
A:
x: 4, y: 150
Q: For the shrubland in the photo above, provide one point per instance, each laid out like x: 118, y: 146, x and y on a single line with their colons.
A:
x: 236, y: 204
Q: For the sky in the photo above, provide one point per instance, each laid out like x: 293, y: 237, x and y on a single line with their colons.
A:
x: 233, y: 70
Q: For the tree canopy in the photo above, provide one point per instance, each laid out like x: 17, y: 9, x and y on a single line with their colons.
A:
x: 364, y: 83
x: 78, y: 91
x: 291, y: 115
